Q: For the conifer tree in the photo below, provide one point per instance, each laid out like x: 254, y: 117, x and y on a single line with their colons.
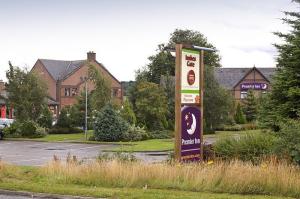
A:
x: 284, y: 99
x: 250, y: 106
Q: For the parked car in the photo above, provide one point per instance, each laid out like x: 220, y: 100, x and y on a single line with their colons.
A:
x: 6, y: 122
x: 1, y: 131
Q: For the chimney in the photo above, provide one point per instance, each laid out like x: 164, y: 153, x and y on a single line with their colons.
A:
x: 91, y: 56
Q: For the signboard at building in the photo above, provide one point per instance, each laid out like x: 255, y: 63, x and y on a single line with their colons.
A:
x: 190, y: 77
x: 254, y: 86
x: 190, y: 133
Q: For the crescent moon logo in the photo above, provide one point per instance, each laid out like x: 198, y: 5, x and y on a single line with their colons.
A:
x: 191, y: 131
x: 264, y: 86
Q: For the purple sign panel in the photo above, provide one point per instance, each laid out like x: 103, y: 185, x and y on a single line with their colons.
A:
x: 190, y: 133
x: 254, y: 86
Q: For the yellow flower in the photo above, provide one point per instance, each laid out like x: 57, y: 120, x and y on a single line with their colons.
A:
x: 210, y: 162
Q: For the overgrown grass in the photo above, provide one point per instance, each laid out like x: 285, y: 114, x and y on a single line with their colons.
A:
x: 228, y: 177
x: 139, y: 180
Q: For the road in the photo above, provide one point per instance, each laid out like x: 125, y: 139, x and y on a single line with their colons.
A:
x: 13, y: 197
x: 39, y: 153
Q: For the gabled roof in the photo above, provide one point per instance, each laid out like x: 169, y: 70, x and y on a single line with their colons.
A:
x: 229, y: 77
x: 59, y: 69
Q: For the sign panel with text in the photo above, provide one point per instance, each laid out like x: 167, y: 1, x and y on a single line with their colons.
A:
x: 190, y: 77
x: 190, y: 133
x: 254, y: 86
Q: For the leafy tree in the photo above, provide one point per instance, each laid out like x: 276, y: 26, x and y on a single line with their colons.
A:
x: 239, y: 116
x: 64, y: 119
x: 109, y: 126
x: 27, y: 94
x: 217, y: 102
x: 284, y: 99
x: 151, y: 105
x: 127, y: 113
x: 101, y: 95
x: 250, y: 106
x: 46, y: 117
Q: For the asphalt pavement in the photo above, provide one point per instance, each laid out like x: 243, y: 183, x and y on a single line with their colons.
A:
x: 39, y: 153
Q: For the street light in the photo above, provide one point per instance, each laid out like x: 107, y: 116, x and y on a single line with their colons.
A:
x: 85, y: 85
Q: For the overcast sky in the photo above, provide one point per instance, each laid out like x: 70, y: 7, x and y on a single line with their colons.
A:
x: 124, y: 33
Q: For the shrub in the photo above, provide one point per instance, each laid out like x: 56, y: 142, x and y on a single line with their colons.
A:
x: 63, y: 119
x: 12, y: 130
x: 127, y: 113
x: 239, y: 116
x: 61, y: 130
x: 161, y: 134
x: 237, y: 127
x: 118, y: 156
x: 135, y: 133
x: 249, y: 147
x: 39, y: 133
x: 25, y: 129
x: 289, y: 135
x: 45, y: 119
x: 109, y: 126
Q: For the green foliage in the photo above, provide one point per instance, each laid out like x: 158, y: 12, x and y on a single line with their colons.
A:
x: 289, y: 135
x: 168, y: 83
x: 239, y: 116
x: 284, y: 100
x: 64, y: 130
x: 127, y: 113
x: 150, y: 105
x: 218, y: 104
x: 237, y: 127
x: 109, y: 125
x: 118, y: 156
x: 27, y: 94
x: 250, y: 106
x: 45, y: 119
x: 101, y: 95
x: 135, y: 133
x: 28, y: 129
x: 249, y: 147
x: 64, y: 119
x: 161, y: 134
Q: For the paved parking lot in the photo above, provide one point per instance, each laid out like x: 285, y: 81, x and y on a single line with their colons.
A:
x: 39, y: 153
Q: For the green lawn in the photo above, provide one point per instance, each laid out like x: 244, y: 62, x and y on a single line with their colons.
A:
x: 147, y: 145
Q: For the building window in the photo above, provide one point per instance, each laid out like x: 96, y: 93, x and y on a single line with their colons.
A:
x: 243, y: 94
x: 115, y: 92
x: 67, y: 92
x: 74, y: 91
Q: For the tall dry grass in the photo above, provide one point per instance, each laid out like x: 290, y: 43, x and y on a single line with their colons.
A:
x: 271, y: 177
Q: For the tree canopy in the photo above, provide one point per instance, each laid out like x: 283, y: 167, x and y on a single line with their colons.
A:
x: 283, y: 102
x: 217, y: 102
x: 27, y: 93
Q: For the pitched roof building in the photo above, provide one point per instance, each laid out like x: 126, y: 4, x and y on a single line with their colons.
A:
x: 65, y: 79
x: 240, y: 80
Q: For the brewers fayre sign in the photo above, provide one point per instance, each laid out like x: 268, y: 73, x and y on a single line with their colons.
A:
x: 190, y: 74
x: 188, y: 104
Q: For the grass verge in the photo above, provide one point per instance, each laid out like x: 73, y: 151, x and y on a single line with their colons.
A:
x: 136, y: 180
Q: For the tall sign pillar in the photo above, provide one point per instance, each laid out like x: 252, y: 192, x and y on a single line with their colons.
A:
x: 189, y: 86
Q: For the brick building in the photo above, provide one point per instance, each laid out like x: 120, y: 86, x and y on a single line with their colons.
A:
x: 65, y: 80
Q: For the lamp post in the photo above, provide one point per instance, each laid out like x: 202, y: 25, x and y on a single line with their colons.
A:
x: 85, y: 86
